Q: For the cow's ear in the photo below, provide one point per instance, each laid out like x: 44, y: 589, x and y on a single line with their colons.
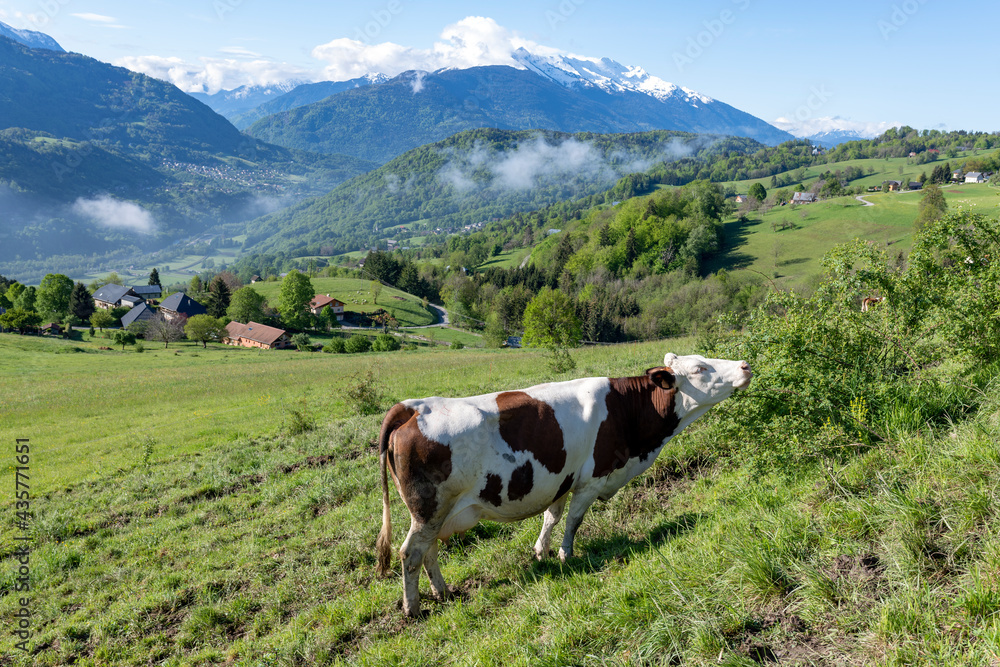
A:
x: 662, y: 377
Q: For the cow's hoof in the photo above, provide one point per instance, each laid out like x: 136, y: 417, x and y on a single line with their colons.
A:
x: 563, y: 556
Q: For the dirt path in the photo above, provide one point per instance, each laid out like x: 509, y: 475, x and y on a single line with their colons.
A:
x: 861, y: 198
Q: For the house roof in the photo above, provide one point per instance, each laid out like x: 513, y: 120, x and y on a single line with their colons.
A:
x: 804, y: 196
x: 973, y: 174
x: 180, y: 302
x: 259, y: 333
x: 321, y: 300
x: 138, y: 312
x: 147, y: 290
x: 111, y: 293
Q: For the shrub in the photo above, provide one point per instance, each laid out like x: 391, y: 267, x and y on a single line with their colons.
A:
x: 457, y: 345
x: 335, y: 346
x: 357, y: 343
x: 385, y: 343
x: 139, y: 347
x: 362, y: 393
x: 302, y: 342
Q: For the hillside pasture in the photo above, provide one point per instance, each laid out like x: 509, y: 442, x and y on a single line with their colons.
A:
x: 355, y: 292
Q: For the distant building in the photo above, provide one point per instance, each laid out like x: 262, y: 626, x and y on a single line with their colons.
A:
x: 148, y: 291
x: 139, y: 313
x: 893, y: 185
x: 804, y: 198
x: 321, y: 301
x: 180, y: 306
x: 111, y: 295
x: 740, y: 199
x: 915, y: 185
x: 256, y: 335
x: 976, y: 177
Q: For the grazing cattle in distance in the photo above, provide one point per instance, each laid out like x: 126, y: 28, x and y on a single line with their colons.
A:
x: 511, y: 455
x: 870, y: 301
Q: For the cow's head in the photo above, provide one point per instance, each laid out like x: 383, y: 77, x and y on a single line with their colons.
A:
x: 701, y: 382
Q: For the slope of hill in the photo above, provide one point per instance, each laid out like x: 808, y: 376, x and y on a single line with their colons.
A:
x: 73, y: 128
x: 303, y: 94
x: 470, y: 177
x: 415, y: 108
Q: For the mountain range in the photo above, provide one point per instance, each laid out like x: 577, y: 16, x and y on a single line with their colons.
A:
x: 378, y: 122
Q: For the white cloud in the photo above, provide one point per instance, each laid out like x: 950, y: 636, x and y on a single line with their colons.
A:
x: 100, y: 20
x: 212, y: 74
x: 116, y: 214
x: 239, y: 51
x: 811, y: 126
x: 472, y: 42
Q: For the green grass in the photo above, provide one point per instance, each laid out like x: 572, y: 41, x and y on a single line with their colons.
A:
x: 794, y: 255
x: 356, y: 294
x: 448, y: 335
x: 227, y: 539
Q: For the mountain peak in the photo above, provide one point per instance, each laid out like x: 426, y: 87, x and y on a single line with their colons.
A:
x: 30, y: 38
x: 604, y: 73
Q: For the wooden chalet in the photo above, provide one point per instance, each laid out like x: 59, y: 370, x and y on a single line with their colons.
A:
x: 256, y: 335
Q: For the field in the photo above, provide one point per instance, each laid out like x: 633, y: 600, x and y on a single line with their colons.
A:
x: 220, y: 506
x: 356, y: 294
x: 794, y: 254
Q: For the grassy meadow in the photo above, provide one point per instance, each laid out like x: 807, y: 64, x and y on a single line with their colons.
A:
x: 794, y: 254
x: 220, y: 506
x: 358, y: 298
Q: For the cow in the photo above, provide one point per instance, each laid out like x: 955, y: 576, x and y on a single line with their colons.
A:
x: 511, y: 455
x: 870, y: 301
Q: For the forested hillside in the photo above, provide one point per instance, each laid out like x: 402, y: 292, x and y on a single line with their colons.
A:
x: 473, y: 177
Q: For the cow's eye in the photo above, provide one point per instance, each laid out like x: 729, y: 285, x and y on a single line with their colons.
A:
x: 702, y: 369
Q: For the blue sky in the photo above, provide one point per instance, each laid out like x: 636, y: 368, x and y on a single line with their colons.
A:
x: 919, y: 62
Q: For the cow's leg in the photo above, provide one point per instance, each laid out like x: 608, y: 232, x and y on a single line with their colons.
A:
x: 552, y: 516
x: 433, y: 569
x: 582, y: 499
x: 420, y: 548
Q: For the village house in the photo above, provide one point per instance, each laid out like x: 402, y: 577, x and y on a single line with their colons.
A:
x: 111, y: 295
x: 52, y: 329
x: 804, y: 198
x: 893, y: 186
x: 976, y: 177
x: 148, y: 292
x: 256, y: 335
x: 139, y: 313
x: 321, y: 301
x: 915, y: 185
x: 180, y: 306
x: 741, y: 199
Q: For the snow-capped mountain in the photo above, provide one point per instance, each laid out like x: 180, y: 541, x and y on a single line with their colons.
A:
x: 606, y: 74
x: 832, y: 130
x: 244, y: 98
x: 30, y: 38
x: 303, y: 94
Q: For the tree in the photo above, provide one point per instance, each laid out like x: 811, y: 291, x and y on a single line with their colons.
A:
x: 204, y: 328
x: 154, y: 278
x: 932, y: 207
x: 102, y: 319
x: 162, y: 329
x: 123, y: 338
x: 196, y: 285
x: 631, y: 248
x: 385, y: 343
x: 551, y: 322
x: 218, y: 303
x: 27, y: 299
x: 20, y: 319
x: 758, y: 192
x: 246, y: 305
x: 53, y: 296
x: 81, y: 303
x: 326, y: 318
x: 293, y: 300
x: 376, y: 290
x: 357, y: 343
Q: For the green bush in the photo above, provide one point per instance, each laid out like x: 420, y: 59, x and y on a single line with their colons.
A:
x: 357, y: 343
x: 363, y: 393
x: 385, y: 343
x: 302, y: 342
x: 335, y: 346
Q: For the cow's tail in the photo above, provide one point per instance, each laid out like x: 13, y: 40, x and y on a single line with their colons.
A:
x: 383, y: 545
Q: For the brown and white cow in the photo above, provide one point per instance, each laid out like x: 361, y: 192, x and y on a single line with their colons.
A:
x: 514, y: 454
